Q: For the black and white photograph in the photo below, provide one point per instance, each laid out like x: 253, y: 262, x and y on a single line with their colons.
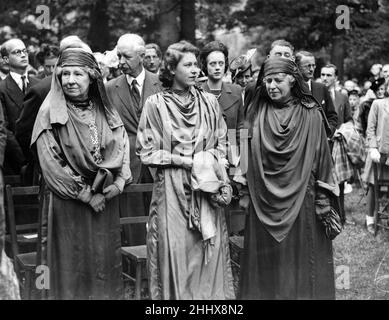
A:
x: 205, y: 153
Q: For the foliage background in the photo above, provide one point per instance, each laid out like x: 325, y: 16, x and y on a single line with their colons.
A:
x: 241, y: 24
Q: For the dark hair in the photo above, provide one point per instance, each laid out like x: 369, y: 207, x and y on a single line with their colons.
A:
x: 155, y: 47
x: 4, y: 51
x: 172, y: 57
x: 282, y: 43
x: 330, y: 65
x: 208, y: 49
x: 301, y: 54
x: 353, y: 93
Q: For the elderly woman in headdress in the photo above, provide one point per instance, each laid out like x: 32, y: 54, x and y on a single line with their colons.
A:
x: 182, y: 135
x: 83, y: 152
x: 292, y: 216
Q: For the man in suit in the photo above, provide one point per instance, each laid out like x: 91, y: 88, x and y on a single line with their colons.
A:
x: 329, y: 76
x: 12, y: 91
x: 31, y: 104
x: 127, y: 94
x: 153, y: 58
x: 307, y: 65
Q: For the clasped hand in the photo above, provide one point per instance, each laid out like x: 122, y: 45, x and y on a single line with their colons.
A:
x: 375, y: 155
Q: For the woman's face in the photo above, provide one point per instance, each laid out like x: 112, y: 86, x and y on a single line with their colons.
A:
x: 186, y: 72
x: 380, y: 93
x: 243, y: 79
x: 75, y: 83
x: 278, y: 86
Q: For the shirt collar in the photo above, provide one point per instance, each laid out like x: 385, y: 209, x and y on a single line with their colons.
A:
x: 139, y: 79
x: 18, y: 77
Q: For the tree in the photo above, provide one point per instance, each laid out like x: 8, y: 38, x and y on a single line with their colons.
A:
x: 312, y: 25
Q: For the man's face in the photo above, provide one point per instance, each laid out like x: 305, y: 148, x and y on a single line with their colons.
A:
x: 328, y: 77
x: 130, y: 60
x: 151, y: 61
x: 49, y: 65
x: 281, y: 51
x: 307, y: 67
x: 216, y: 65
x: 17, y: 55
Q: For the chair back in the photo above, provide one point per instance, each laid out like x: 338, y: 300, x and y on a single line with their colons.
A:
x: 16, y: 205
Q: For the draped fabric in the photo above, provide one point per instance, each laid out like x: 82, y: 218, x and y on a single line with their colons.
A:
x: 81, y: 247
x: 182, y: 262
x: 286, y: 253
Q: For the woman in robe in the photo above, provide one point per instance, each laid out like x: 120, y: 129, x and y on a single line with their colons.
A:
x: 182, y: 135
x: 290, y: 178
x: 83, y: 153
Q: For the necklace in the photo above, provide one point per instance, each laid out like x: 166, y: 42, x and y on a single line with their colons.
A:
x: 90, y: 118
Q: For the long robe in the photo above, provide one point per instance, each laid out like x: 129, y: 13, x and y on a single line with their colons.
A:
x: 179, y: 263
x: 286, y: 252
x: 80, y: 247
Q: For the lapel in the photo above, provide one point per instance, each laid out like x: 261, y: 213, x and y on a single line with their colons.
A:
x: 338, y: 103
x: 227, y: 98
x: 123, y: 91
x: 150, y: 86
x: 317, y: 92
x: 14, y: 92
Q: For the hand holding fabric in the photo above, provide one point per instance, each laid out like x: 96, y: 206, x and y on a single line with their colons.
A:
x: 375, y: 155
x: 97, y: 202
x: 223, y: 197
x: 111, y: 192
x: 328, y: 217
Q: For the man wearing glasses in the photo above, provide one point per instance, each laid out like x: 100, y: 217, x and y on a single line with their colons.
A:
x: 12, y: 91
x: 307, y: 65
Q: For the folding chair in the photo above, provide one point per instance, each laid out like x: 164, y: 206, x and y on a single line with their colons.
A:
x: 380, y: 207
x: 22, y: 234
x: 136, y: 254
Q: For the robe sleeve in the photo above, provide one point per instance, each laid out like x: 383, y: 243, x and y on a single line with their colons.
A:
x: 124, y: 176
x: 59, y: 176
x: 151, y: 145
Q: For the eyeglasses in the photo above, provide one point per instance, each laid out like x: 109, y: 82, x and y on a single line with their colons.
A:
x: 19, y: 52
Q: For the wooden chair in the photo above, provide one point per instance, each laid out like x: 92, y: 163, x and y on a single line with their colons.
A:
x: 381, y: 215
x: 136, y: 254
x: 24, y: 263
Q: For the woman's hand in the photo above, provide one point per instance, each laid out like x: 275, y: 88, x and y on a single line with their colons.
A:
x: 375, y: 155
x: 111, y: 192
x: 97, y: 202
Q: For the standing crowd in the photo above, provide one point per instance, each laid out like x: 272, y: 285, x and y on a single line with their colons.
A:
x: 275, y: 144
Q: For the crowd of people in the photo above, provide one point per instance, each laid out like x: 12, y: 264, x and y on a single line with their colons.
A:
x: 274, y: 143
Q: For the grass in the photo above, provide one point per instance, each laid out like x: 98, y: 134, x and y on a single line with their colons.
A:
x: 363, y: 256
x: 361, y: 261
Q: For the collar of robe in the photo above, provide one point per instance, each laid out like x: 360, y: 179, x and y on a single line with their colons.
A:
x: 280, y: 164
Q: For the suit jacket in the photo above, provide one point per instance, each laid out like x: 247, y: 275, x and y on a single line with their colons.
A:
x: 230, y: 101
x: 3, y: 138
x: 118, y: 92
x: 31, y: 104
x: 11, y: 98
x: 323, y: 97
x: 342, y: 108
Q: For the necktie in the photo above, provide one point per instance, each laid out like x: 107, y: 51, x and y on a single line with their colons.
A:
x: 24, y: 84
x: 135, y: 93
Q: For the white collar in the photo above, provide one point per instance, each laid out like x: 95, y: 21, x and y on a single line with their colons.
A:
x: 140, y: 79
x: 18, y: 77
